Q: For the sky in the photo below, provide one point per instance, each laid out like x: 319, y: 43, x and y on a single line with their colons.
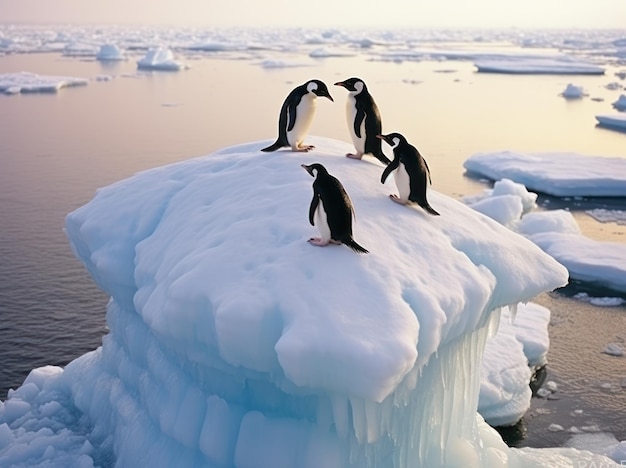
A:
x: 295, y: 13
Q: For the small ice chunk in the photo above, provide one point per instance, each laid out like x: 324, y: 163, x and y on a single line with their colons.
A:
x: 613, y: 349
x: 555, y: 427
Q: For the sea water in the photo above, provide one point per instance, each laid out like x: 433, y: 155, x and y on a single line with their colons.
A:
x: 57, y: 149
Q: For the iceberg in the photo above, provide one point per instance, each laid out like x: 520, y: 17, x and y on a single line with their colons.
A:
x: 160, y: 58
x: 557, y: 174
x: 234, y: 342
x: 572, y: 91
x: 620, y: 104
x: 110, y: 52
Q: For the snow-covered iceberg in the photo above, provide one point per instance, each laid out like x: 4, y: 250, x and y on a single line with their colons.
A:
x: 24, y: 82
x: 235, y: 343
x: 160, y: 58
x: 558, y: 174
x: 110, y: 52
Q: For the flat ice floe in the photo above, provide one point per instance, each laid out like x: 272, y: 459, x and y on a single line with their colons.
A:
x: 235, y: 342
x: 558, y: 174
x: 617, y: 121
x: 554, y: 66
x: 24, y: 82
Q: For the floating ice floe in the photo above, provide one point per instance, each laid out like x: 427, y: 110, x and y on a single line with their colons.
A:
x: 160, y: 58
x: 24, y: 82
x: 587, y: 260
x: 326, y: 53
x: 617, y: 121
x: 608, y: 216
x: 235, y: 342
x: 573, y: 92
x: 274, y: 63
x: 564, y: 66
x: 600, y: 301
x: 558, y: 174
x: 110, y: 52
x: 557, y: 233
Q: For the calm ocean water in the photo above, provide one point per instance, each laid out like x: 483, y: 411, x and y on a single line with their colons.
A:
x: 56, y: 150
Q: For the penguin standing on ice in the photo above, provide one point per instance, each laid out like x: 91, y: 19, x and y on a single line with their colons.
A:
x: 410, y: 171
x: 363, y: 120
x: 296, y: 116
x: 331, y: 210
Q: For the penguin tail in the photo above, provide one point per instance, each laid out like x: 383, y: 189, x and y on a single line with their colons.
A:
x: 350, y: 242
x: 429, y: 209
x: 382, y: 158
x: 273, y: 147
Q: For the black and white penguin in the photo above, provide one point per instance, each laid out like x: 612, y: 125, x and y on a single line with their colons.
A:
x: 331, y: 210
x: 410, y: 171
x: 296, y: 115
x: 363, y: 120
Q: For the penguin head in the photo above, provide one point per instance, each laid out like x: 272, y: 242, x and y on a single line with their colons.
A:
x: 354, y: 85
x: 318, y: 88
x: 393, y: 139
x: 315, y: 169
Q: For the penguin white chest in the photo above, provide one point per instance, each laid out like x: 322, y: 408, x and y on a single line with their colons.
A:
x: 305, y: 111
x: 321, y: 222
x: 403, y: 182
x: 358, y: 142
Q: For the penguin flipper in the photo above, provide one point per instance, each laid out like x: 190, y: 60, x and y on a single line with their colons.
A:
x: 358, y: 120
x: 350, y: 242
x: 393, y: 165
x: 314, y: 202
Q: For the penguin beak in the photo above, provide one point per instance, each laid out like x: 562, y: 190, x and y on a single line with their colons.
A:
x: 308, y: 169
x: 383, y: 137
x: 340, y: 83
x: 329, y: 97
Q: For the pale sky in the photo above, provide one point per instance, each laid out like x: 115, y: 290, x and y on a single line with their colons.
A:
x: 294, y: 13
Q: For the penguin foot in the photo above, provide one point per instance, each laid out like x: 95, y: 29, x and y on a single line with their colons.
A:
x: 318, y: 241
x: 354, y: 156
x: 303, y: 148
x: 397, y: 199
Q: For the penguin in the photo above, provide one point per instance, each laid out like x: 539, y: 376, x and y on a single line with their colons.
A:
x: 363, y: 120
x: 410, y: 171
x: 331, y: 210
x: 296, y: 116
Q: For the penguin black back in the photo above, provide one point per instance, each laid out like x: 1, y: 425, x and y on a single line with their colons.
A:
x: 335, y: 203
x: 412, y: 172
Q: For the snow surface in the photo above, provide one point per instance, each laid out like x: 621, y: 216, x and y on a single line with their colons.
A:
x: 560, y: 66
x: 235, y: 342
x: 558, y: 174
x: 23, y: 82
x: 612, y: 120
x: 160, y: 58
